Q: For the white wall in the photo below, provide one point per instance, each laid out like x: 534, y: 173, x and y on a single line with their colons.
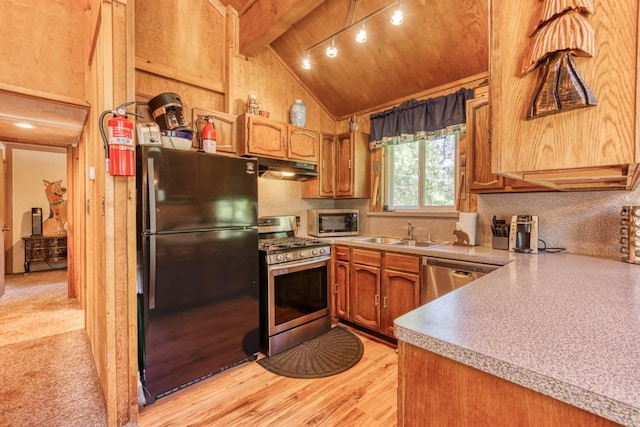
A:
x: 29, y: 167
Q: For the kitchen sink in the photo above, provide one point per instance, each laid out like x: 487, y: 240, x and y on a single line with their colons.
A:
x: 397, y: 241
x: 384, y: 240
x: 420, y: 244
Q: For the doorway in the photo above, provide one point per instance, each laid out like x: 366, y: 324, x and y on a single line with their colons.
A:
x: 28, y: 170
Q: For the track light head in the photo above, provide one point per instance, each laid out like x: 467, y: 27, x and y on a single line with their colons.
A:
x: 332, y: 51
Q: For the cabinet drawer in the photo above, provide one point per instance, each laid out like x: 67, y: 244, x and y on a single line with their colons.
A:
x: 362, y: 256
x: 402, y: 262
x: 342, y: 253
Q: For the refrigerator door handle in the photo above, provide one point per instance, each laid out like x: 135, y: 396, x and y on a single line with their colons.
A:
x: 152, y: 272
x: 151, y: 186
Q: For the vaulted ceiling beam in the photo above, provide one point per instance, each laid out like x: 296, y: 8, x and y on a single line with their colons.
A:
x: 266, y: 20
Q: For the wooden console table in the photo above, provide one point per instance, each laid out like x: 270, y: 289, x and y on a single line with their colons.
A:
x: 44, y: 248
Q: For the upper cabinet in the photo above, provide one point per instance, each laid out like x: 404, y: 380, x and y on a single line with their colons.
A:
x: 481, y: 179
x: 303, y: 144
x: 344, y: 167
x: 593, y: 147
x: 225, y: 125
x: 259, y: 136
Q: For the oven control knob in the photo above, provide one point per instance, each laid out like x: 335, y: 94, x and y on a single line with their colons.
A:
x: 320, y: 251
x: 279, y: 258
x: 288, y: 256
x: 303, y: 254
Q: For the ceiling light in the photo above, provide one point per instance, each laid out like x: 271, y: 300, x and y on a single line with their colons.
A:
x: 350, y: 24
x: 397, y: 17
x: 306, y: 64
x: 24, y: 125
x: 332, y: 52
x: 361, y: 37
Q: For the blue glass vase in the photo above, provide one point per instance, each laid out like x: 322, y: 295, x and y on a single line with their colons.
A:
x: 298, y: 113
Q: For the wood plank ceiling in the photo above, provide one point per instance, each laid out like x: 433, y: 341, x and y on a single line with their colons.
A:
x: 440, y: 41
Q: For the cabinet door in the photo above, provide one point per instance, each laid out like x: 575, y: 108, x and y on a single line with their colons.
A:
x: 303, y: 144
x: 341, y: 290
x: 265, y: 137
x: 400, y: 294
x: 344, y: 165
x: 327, y: 168
x: 479, y: 159
x: 585, y: 148
x: 365, y: 296
x: 225, y: 125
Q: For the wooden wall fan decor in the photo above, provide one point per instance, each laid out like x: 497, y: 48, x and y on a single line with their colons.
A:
x: 560, y: 31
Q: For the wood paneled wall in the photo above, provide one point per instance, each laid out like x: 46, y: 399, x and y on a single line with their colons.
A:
x: 46, y: 56
x: 110, y: 221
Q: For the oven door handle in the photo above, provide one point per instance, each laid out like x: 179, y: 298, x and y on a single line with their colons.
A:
x: 296, y: 264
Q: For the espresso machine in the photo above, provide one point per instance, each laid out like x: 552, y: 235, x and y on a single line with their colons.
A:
x: 523, y: 235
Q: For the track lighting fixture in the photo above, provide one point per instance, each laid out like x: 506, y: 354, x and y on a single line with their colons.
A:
x: 397, y: 18
x: 306, y: 64
x: 361, y: 36
x: 332, y: 51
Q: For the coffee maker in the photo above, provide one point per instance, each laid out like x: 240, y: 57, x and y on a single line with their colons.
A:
x: 523, y: 234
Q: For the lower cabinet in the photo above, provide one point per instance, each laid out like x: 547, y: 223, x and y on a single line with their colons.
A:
x: 400, y: 288
x: 341, y: 272
x: 372, y: 288
x: 364, y: 288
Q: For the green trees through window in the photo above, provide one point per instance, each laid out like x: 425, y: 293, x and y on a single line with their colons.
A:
x: 422, y: 174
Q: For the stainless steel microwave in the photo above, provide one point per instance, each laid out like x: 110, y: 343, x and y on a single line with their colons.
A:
x: 333, y: 222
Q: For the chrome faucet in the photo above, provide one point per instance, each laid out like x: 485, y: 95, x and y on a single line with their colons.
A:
x: 410, y: 229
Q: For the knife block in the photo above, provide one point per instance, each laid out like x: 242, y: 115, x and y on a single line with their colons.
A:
x: 500, y: 243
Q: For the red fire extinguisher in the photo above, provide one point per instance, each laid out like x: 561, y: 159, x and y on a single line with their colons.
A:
x: 208, y: 135
x: 120, y: 151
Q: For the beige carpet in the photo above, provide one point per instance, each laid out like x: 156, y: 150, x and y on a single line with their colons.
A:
x: 47, y: 373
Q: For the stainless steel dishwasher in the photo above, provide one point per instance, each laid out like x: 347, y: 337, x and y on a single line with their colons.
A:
x: 441, y: 276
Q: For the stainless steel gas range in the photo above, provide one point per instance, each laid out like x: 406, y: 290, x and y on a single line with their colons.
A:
x: 294, y: 285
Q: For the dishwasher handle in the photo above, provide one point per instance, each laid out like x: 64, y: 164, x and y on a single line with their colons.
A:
x: 460, y: 273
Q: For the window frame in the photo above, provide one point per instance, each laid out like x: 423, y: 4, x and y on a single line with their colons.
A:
x: 388, y: 159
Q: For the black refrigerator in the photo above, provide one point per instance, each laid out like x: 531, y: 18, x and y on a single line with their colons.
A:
x: 197, y: 266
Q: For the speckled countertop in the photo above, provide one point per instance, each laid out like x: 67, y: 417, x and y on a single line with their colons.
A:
x: 565, y: 325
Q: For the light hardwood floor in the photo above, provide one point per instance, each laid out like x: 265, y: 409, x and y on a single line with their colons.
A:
x: 249, y: 395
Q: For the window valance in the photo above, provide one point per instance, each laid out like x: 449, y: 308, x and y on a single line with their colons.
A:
x: 420, y: 119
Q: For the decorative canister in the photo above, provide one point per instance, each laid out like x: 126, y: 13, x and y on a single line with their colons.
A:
x: 298, y: 113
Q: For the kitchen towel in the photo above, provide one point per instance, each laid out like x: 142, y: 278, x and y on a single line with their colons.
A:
x: 467, y: 223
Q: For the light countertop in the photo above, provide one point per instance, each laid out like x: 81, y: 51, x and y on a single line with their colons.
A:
x: 565, y: 325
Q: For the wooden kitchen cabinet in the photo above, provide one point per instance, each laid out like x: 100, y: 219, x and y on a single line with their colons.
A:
x: 341, y: 272
x: 226, y: 132
x: 400, y: 288
x: 226, y: 129
x: 364, y: 288
x: 344, y: 170
x: 259, y: 136
x: 481, y: 179
x: 372, y: 288
x: 352, y: 177
x: 462, y: 395
x: 303, y: 144
x: 591, y: 148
